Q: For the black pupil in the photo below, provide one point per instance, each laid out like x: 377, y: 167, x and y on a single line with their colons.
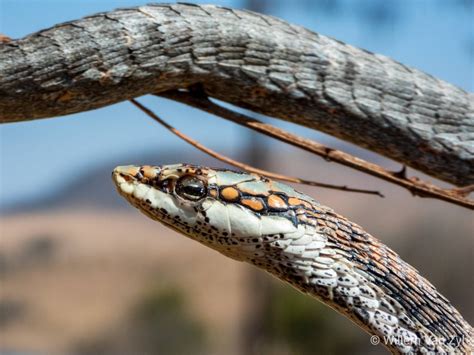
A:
x: 191, y: 187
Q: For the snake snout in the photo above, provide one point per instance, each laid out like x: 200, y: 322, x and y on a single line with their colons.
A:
x: 124, y: 176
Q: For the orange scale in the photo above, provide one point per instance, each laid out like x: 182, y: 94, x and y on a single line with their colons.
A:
x: 148, y: 171
x: 230, y: 194
x: 253, y: 204
x: 276, y: 202
x: 314, y: 214
x: 293, y: 201
x: 132, y: 171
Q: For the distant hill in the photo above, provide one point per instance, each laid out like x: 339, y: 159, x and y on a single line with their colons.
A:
x: 94, y: 189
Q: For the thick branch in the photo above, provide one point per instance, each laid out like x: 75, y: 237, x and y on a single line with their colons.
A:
x: 250, y: 60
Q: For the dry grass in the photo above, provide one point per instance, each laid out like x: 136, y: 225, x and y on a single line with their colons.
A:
x: 101, y: 264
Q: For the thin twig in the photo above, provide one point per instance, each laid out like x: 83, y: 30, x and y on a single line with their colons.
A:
x: 4, y: 39
x: 197, y: 98
x: 245, y: 166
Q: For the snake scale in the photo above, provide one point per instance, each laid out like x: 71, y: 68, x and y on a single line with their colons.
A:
x: 250, y: 218
x: 250, y: 60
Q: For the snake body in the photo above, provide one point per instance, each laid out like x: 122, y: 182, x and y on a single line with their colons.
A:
x: 288, y: 234
x: 250, y: 60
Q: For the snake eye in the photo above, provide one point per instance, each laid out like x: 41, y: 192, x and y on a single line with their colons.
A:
x: 191, y: 188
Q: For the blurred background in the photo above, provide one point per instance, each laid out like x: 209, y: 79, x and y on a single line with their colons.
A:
x: 81, y: 272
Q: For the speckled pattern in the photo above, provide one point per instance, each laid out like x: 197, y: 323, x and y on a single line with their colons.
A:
x: 270, y: 225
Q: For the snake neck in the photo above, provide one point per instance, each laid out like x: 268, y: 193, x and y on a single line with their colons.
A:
x: 354, y: 273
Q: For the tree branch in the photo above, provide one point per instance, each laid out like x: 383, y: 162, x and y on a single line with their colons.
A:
x: 243, y: 166
x: 197, y: 98
x: 249, y: 60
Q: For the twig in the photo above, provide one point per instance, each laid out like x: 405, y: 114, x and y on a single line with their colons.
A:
x: 245, y: 166
x: 4, y: 39
x: 463, y: 191
x: 197, y: 98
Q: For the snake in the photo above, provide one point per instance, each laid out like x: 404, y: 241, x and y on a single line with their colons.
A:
x: 250, y: 218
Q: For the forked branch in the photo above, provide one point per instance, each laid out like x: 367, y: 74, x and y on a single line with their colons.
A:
x: 197, y: 98
x: 243, y: 166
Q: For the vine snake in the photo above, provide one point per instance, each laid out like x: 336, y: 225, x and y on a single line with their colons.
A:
x: 250, y: 218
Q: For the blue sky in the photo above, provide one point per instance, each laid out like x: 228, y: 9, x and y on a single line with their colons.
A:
x: 37, y: 157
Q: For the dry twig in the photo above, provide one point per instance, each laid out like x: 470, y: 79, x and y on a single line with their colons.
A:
x: 245, y: 166
x: 197, y: 98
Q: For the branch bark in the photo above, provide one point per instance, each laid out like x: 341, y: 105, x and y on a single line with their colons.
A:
x: 250, y: 60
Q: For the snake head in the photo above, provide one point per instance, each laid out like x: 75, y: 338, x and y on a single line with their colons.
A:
x: 171, y: 194
x: 236, y: 213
